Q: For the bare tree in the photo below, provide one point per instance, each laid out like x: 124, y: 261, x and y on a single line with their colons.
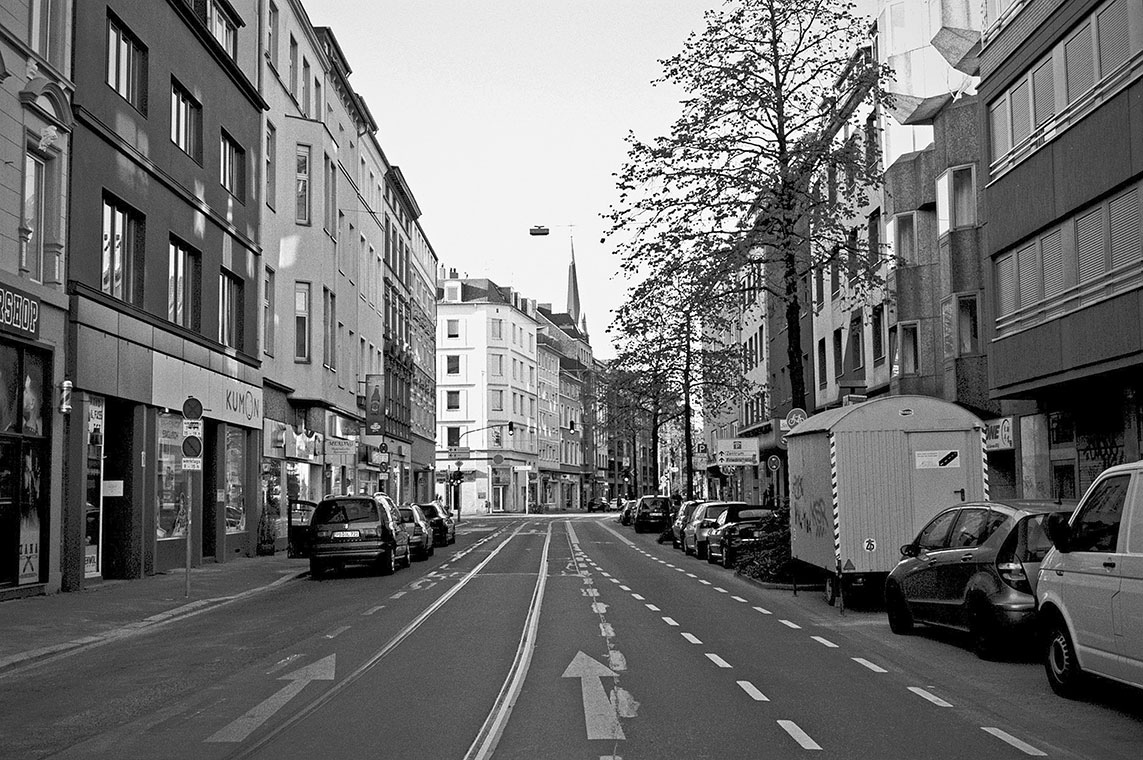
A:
x: 749, y: 174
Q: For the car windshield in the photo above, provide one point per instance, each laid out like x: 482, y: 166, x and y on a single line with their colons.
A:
x: 748, y: 513
x: 346, y: 511
x: 430, y: 511
x: 655, y: 503
x: 714, y: 511
x: 407, y: 514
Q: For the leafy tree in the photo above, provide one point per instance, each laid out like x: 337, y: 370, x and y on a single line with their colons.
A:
x: 748, y: 176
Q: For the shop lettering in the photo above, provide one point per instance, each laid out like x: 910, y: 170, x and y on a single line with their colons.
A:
x: 19, y: 313
x: 243, y: 403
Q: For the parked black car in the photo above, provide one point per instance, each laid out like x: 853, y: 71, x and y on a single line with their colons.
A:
x: 973, y: 567
x: 738, y: 528
x: 358, y: 530
x: 651, y: 513
x: 421, y: 541
x: 682, y: 517
x: 444, y: 529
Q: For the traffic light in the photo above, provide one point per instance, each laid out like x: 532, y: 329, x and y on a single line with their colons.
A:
x: 511, y: 428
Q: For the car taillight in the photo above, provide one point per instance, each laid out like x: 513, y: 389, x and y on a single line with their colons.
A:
x: 1012, y: 572
x: 323, y: 534
x: 416, y: 530
x: 370, y: 533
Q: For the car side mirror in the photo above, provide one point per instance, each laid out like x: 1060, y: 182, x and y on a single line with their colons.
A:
x: 1059, y: 531
x: 910, y: 550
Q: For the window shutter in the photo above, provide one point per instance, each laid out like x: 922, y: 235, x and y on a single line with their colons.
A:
x: 1114, y: 38
x: 1125, y: 244
x: 1044, y: 92
x: 1080, y: 62
x: 998, y: 119
x: 1021, y: 113
x: 1089, y: 245
x: 1028, y: 270
x: 1052, y: 253
x: 1005, y: 285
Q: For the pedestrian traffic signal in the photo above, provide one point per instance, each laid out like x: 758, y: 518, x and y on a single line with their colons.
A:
x: 511, y: 428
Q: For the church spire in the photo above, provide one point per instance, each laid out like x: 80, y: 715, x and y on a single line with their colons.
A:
x: 573, y: 288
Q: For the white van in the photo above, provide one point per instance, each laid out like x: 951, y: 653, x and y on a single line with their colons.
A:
x: 1090, y: 590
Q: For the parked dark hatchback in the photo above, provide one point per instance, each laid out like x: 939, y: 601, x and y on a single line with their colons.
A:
x: 681, y: 520
x: 444, y: 530
x: 973, y: 567
x: 738, y: 528
x: 651, y: 512
x: 421, y: 541
x: 358, y: 530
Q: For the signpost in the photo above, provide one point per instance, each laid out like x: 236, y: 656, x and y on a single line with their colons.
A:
x: 192, y: 463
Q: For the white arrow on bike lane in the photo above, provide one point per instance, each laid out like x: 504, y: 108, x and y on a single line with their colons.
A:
x: 598, y: 710
x: 322, y: 670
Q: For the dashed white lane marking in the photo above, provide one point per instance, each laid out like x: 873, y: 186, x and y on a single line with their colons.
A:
x: 669, y: 621
x: 670, y: 566
x: 679, y: 570
x: 764, y: 611
x: 337, y: 632
x: 613, y: 580
x: 625, y: 588
x: 752, y: 690
x: 929, y: 696
x: 798, y: 735
x: 717, y: 660
x: 870, y: 665
x: 789, y: 624
x: 704, y: 582
x: 653, y: 608
x: 637, y: 596
x: 824, y: 642
x: 692, y: 638
x: 738, y: 599
x: 616, y: 660
x: 721, y: 590
x: 691, y: 575
x: 398, y: 595
x: 373, y: 609
x: 606, y: 630
x: 1024, y: 747
x: 605, y: 575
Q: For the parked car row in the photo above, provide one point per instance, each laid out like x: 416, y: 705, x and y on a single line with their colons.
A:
x: 717, y: 531
x: 374, y: 531
x: 1066, y: 578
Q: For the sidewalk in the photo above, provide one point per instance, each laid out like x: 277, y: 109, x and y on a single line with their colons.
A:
x: 42, y: 626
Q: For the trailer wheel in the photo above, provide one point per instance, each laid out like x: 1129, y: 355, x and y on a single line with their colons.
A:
x: 832, y: 589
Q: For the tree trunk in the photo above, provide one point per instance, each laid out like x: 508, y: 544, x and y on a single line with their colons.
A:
x: 794, y: 331
x: 687, y: 435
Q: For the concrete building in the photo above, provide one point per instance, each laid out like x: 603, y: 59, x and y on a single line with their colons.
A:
x: 1061, y: 163
x: 43, y: 545
x: 422, y: 338
x: 164, y: 284
x: 487, y: 427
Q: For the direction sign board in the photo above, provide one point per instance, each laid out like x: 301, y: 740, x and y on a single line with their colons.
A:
x: 458, y: 452
x: 737, y: 452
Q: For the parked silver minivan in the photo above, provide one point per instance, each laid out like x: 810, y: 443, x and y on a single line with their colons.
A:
x: 1090, y: 591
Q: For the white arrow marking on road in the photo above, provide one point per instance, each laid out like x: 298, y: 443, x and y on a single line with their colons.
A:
x: 322, y: 670
x: 598, y: 711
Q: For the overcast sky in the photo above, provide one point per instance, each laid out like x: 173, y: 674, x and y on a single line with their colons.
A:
x: 504, y: 114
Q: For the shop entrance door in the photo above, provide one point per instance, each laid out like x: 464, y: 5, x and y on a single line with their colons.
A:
x: 93, y: 506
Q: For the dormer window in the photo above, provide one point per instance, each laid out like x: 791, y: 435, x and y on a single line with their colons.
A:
x: 224, y: 25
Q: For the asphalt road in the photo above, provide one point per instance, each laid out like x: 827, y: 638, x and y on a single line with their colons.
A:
x: 549, y: 637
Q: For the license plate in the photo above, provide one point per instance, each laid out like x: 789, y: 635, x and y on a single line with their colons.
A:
x: 346, y: 534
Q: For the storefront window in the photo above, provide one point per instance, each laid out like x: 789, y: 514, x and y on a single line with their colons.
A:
x: 274, y: 495
x: 93, y: 529
x: 171, y: 510
x: 235, y: 479
x: 9, y: 384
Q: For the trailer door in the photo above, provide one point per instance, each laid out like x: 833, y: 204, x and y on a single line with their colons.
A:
x: 942, y: 473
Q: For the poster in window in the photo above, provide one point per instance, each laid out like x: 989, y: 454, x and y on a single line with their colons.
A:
x: 235, y: 478
x: 32, y: 407
x: 171, y: 509
x: 9, y: 383
x: 30, y: 493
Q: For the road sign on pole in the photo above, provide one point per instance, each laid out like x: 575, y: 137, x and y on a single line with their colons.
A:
x: 192, y: 463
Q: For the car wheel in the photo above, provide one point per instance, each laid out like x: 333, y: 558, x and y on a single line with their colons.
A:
x: 317, y: 569
x: 1060, y: 661
x: 702, y: 551
x: 981, y: 632
x: 387, y: 563
x: 831, y: 589
x: 686, y: 547
x: 409, y: 555
x: 727, y: 559
x: 432, y: 549
x: 900, y: 619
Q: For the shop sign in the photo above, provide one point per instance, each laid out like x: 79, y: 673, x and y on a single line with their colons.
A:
x: 224, y: 398
x: 303, y: 444
x: 374, y: 405
x: 19, y: 313
x: 998, y: 434
x: 339, y: 447
x: 737, y: 452
x: 95, y: 411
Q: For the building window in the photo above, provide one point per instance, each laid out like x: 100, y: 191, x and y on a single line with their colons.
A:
x: 329, y: 329
x: 838, y: 356
x: 497, y: 402
x: 224, y: 27
x: 272, y: 36
x: 122, y: 255
x: 302, y: 185
x: 497, y: 329
x: 33, y: 227
x: 452, y: 364
x: 968, y: 331
x: 186, y: 121
x: 318, y: 109
x: 40, y: 31
x: 910, y: 358
x: 232, y: 166
x: 293, y: 66
x: 496, y: 365
x: 823, y: 369
x: 331, y: 218
x: 452, y: 436
x: 452, y: 328
x: 271, y: 163
x: 269, y: 301
x: 873, y: 235
x: 452, y: 400
x: 878, y: 325
x: 956, y: 199
x: 835, y: 276
x: 126, y: 65
x: 230, y: 310
x: 302, y: 321
x: 857, y: 341
x: 905, y: 238
x: 184, y: 278
x: 305, y: 87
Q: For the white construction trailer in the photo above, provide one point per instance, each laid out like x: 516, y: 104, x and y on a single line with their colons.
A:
x: 864, y: 479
